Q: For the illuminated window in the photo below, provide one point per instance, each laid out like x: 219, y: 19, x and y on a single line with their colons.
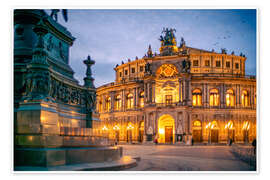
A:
x: 229, y: 125
x: 99, y: 106
x: 255, y: 99
x: 214, y: 97
x: 230, y: 98
x: 168, y: 99
x: 197, y: 123
x: 141, y: 99
x: 196, y: 97
x: 214, y: 125
x: 245, y: 98
x: 207, y: 63
x: 195, y: 63
x: 217, y: 63
x: 108, y: 104
x: 118, y: 102
x: 130, y: 101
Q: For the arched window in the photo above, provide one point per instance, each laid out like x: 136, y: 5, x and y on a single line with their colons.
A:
x: 245, y: 98
x: 255, y: 99
x: 214, y: 125
x: 214, y: 97
x: 130, y: 101
x: 229, y: 125
x: 108, y: 104
x: 197, y: 123
x: 141, y: 99
x: 230, y: 98
x: 196, y: 97
x: 99, y: 106
x: 118, y: 103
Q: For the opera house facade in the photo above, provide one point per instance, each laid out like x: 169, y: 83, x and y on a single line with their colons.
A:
x: 179, y: 94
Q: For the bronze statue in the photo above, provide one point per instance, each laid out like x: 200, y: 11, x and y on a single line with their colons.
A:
x: 56, y: 11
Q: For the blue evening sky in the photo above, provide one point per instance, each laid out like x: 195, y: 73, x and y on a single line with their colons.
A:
x: 112, y: 36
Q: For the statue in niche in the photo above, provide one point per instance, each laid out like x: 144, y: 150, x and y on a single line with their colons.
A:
x: 148, y: 68
x: 186, y: 64
x: 179, y: 129
x: 150, y: 130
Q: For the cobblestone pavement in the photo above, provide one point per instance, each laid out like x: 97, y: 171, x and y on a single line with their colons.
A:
x: 185, y: 158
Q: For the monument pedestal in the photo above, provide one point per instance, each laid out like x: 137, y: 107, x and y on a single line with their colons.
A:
x: 41, y: 141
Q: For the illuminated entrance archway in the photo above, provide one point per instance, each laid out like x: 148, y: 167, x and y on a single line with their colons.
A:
x: 197, y: 131
x: 166, y: 129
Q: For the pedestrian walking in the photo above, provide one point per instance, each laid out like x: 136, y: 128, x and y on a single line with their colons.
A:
x: 254, y: 143
x: 230, y: 142
x: 192, y: 141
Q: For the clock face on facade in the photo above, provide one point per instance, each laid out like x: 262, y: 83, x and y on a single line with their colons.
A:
x: 167, y: 70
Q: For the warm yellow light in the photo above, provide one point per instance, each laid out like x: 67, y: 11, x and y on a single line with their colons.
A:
x: 104, y: 128
x: 246, y: 126
x: 116, y: 127
x: 130, y: 126
x: 42, y: 119
x: 161, y: 131
x: 208, y: 125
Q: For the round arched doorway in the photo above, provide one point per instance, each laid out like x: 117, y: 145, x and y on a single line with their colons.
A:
x: 197, y: 131
x: 166, y: 129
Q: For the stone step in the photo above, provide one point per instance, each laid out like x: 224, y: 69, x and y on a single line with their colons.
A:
x: 124, y: 163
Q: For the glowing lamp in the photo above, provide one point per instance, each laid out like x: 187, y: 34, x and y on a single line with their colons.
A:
x: 104, y: 128
x: 130, y: 126
x: 161, y: 131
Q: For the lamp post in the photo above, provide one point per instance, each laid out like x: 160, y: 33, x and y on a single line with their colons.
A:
x: 105, y: 129
x: 129, y: 127
x: 116, y: 128
x: 208, y: 126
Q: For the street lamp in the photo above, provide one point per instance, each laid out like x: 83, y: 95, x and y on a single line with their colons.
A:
x: 105, y: 130
x: 116, y: 128
x: 129, y: 127
x: 208, y: 126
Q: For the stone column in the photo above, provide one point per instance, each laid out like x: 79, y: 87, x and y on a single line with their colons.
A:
x: 123, y: 100
x: 180, y: 89
x: 184, y: 91
x: 189, y: 93
x: 153, y: 92
x: 149, y: 92
x: 137, y: 91
x: 145, y: 92
x: 134, y: 97
x: 112, y: 95
x: 222, y: 95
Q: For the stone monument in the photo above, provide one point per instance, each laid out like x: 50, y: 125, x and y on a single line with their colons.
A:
x: 53, y: 121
